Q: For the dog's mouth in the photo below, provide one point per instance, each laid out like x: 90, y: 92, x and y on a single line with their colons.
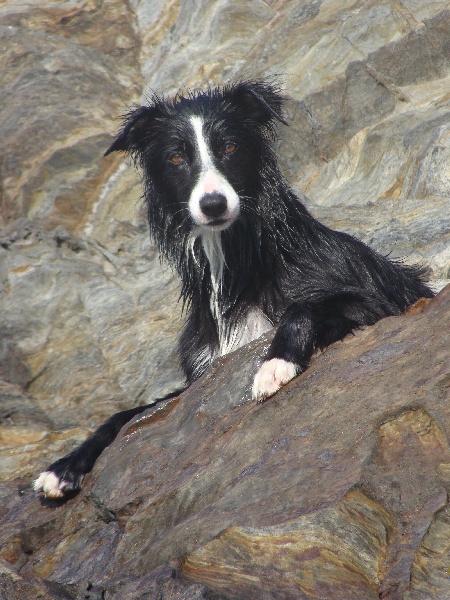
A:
x: 218, y: 223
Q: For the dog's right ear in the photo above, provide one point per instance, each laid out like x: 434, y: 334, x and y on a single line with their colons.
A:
x: 136, y: 125
x: 261, y: 99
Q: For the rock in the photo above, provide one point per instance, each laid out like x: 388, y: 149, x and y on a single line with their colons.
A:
x: 14, y: 586
x: 71, y: 344
x: 312, y: 494
x: 70, y: 67
x: 89, y: 317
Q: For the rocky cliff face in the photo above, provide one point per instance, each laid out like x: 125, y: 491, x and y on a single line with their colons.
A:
x: 337, y: 484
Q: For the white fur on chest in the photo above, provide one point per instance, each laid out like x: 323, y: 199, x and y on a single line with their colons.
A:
x: 251, y: 327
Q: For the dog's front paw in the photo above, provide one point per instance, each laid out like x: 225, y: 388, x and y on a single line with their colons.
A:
x: 50, y: 485
x: 61, y: 478
x: 271, y: 376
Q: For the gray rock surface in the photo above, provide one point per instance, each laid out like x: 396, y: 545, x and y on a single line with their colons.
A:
x: 89, y: 316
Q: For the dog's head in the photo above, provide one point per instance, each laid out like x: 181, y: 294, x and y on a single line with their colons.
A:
x: 203, y: 153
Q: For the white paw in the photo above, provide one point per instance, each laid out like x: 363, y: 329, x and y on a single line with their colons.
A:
x: 50, y: 485
x: 271, y: 376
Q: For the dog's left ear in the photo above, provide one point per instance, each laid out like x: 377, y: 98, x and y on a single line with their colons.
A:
x: 136, y: 126
x: 262, y: 100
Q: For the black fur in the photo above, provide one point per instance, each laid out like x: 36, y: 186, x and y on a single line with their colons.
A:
x: 315, y: 284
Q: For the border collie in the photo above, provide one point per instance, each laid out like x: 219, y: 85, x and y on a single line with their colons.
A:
x: 249, y: 254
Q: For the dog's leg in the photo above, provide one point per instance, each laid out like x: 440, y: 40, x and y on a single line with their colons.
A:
x: 289, y: 353
x: 307, y: 326
x: 67, y: 473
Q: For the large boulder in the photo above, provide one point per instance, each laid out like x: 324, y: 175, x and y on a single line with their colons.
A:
x: 335, y: 488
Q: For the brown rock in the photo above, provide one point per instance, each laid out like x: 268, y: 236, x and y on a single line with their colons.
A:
x: 314, y: 494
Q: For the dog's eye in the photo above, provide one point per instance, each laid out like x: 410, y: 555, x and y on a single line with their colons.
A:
x: 176, y: 158
x: 230, y: 148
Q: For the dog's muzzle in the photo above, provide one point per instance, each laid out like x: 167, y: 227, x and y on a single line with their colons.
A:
x: 213, y: 202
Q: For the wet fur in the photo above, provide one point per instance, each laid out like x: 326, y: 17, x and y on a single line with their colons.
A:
x: 272, y: 264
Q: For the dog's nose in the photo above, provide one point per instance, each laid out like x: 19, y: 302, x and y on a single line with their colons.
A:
x: 213, y: 205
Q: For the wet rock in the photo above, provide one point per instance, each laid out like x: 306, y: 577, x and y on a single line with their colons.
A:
x: 14, y: 586
x: 312, y: 494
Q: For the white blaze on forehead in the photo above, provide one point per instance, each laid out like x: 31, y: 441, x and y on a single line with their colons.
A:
x: 210, y: 180
x: 202, y: 145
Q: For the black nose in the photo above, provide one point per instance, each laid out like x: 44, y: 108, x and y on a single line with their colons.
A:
x: 213, y: 205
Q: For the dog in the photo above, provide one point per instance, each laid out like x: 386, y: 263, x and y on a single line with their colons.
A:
x: 249, y: 254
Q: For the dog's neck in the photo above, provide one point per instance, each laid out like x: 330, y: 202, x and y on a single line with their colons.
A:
x: 212, y: 246
x: 228, y: 270
x: 252, y: 322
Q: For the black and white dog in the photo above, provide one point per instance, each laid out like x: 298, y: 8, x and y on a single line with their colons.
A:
x: 249, y: 254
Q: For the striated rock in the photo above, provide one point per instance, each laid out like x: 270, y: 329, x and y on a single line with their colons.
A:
x: 69, y: 347
x: 313, y: 494
x: 70, y: 68
x: 301, y: 559
x: 211, y: 496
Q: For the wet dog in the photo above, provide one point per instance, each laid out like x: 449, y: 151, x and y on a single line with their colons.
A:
x: 249, y: 254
